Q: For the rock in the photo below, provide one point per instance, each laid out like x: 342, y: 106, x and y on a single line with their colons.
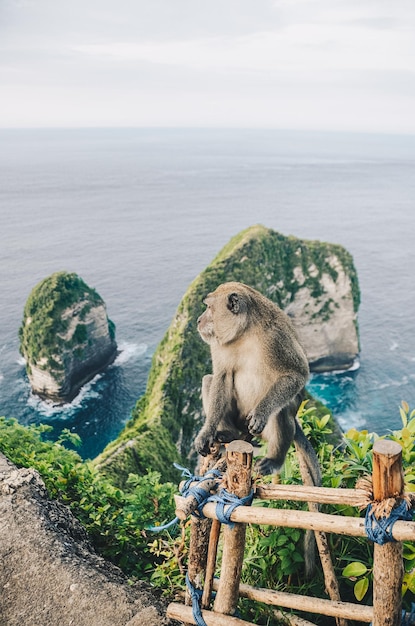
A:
x: 314, y: 282
x: 326, y: 324
x: 50, y: 575
x: 66, y: 337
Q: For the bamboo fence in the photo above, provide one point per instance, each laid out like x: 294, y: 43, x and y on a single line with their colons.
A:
x: 387, y: 483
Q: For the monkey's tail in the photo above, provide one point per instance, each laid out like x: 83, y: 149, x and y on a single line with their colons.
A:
x: 311, y: 475
x: 307, y: 454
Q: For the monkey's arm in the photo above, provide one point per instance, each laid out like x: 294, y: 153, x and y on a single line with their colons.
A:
x: 217, y: 404
x: 277, y: 397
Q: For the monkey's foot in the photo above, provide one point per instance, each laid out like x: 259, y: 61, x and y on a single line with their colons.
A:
x: 203, y: 444
x: 256, y: 424
x: 267, y: 466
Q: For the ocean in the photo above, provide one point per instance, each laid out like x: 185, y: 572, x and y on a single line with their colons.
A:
x: 138, y: 213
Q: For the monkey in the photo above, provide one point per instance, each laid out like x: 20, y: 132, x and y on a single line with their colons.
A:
x: 259, y: 374
x: 258, y: 383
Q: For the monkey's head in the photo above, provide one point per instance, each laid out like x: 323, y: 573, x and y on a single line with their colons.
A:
x: 227, y: 314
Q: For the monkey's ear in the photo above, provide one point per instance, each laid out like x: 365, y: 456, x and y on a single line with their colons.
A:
x: 234, y: 303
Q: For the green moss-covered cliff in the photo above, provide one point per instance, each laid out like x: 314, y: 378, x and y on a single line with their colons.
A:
x: 315, y: 282
x: 66, y: 337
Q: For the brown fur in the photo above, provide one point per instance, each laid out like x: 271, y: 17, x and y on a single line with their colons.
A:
x: 259, y: 373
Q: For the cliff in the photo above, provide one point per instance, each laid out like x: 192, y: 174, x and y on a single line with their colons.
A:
x: 50, y: 575
x: 66, y: 337
x: 314, y: 282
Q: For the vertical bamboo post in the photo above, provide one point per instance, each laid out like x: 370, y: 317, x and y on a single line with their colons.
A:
x: 388, y: 482
x: 330, y: 580
x: 199, y: 534
x: 239, y: 483
x: 211, y: 563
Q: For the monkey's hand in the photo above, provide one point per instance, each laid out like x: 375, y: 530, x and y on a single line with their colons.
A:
x: 256, y: 422
x: 203, y: 442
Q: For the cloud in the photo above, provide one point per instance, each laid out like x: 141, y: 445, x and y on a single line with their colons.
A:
x: 298, y: 47
x: 301, y: 63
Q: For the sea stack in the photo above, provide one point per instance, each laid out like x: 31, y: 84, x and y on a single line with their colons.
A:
x: 314, y: 282
x: 66, y: 337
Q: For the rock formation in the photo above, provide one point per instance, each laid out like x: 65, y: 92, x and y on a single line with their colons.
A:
x: 49, y: 574
x: 314, y: 282
x: 66, y: 337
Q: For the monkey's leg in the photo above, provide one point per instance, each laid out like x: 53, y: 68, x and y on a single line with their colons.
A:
x: 279, y: 433
x: 279, y: 397
x: 218, y: 405
x: 206, y: 384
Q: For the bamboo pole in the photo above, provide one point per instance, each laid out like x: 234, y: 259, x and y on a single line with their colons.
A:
x: 292, y: 620
x: 321, y: 495
x: 184, y: 614
x: 238, y: 478
x: 388, y: 482
x: 199, y: 534
x: 330, y: 580
x: 211, y: 562
x: 347, y: 610
x: 339, y: 525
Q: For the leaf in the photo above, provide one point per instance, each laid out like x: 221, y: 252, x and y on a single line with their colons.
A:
x: 405, y: 406
x: 354, y: 569
x: 404, y: 416
x: 361, y: 588
x: 323, y: 421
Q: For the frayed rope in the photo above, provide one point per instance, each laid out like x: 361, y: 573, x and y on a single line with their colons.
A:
x: 196, y: 596
x: 223, y: 498
x: 201, y: 495
x: 380, y: 530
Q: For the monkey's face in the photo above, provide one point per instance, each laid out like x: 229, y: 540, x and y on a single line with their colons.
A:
x: 226, y: 316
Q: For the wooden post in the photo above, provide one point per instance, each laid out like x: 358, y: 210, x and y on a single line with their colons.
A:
x: 238, y: 477
x: 388, y: 482
x: 199, y: 534
x: 211, y: 562
x: 330, y: 580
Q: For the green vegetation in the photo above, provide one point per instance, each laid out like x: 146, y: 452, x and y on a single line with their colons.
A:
x: 116, y: 519
x: 273, y: 556
x: 170, y: 411
x: 42, y: 332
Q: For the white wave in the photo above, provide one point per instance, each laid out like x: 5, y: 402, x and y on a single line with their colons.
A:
x: 354, y: 366
x: 393, y: 346
x: 130, y: 351
x: 1, y: 377
x: 350, y: 419
x: 21, y: 361
x: 393, y: 383
x: 49, y: 409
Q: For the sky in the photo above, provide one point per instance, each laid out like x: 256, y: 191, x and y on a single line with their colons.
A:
x: 346, y: 65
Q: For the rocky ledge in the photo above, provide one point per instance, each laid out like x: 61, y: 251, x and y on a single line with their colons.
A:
x: 50, y: 574
x: 66, y: 337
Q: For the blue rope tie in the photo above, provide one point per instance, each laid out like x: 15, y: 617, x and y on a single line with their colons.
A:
x: 196, y: 596
x: 380, y: 530
x: 224, y: 498
x: 200, y: 494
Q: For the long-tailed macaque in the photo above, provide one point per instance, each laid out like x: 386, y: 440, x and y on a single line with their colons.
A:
x: 259, y: 373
